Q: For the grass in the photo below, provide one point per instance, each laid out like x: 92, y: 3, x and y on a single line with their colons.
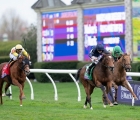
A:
x: 44, y: 107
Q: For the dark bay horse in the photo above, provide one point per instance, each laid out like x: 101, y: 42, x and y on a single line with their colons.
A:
x: 102, y: 76
x: 122, y: 66
x: 19, y: 69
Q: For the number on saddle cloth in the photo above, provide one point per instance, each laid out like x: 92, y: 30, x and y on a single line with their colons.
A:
x: 86, y: 76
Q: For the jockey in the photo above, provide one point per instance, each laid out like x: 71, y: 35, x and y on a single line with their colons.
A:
x: 95, y: 55
x: 117, y: 52
x: 17, y: 51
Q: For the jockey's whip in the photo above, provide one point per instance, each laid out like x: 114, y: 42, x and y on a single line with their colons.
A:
x: 25, y: 43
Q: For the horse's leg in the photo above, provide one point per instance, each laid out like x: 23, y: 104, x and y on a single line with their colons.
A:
x: 16, y: 83
x: 85, y: 105
x: 23, y: 95
x: 91, y: 88
x: 105, y: 97
x: 128, y: 86
x: 111, y: 95
x: 85, y: 85
x: 86, y: 91
x: 116, y: 93
x: 6, y: 88
x: 104, y: 94
x: 89, y: 91
x: 1, y: 86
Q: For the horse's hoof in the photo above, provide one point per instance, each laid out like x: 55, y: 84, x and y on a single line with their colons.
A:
x: 3, y: 94
x: 111, y: 105
x: 9, y: 94
x: 104, y: 105
x: 20, y: 105
x: 135, y: 98
x: 91, y: 108
x: 115, y: 103
x: 23, y: 97
x: 85, y: 106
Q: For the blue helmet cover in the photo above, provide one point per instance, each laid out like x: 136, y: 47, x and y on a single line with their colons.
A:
x: 100, y: 47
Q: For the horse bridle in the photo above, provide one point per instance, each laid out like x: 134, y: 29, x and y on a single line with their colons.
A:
x: 24, y: 65
x: 109, y: 67
x: 124, y: 65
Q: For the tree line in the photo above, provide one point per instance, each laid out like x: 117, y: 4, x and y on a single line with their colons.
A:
x: 12, y: 25
x: 18, y: 29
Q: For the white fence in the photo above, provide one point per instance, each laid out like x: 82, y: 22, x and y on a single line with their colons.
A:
x: 70, y: 72
x: 64, y: 71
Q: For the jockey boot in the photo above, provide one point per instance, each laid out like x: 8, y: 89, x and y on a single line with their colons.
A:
x: 9, y: 79
x: 89, y: 67
x: 10, y: 60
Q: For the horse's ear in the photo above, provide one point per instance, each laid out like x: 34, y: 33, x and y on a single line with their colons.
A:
x: 124, y: 54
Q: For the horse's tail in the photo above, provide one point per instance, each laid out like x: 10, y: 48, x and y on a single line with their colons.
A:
x: 78, y: 74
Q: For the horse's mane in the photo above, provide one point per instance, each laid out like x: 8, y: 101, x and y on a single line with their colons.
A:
x: 104, y: 55
x: 124, y: 54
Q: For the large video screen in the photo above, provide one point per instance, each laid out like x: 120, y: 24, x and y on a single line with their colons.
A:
x: 104, y: 25
x: 59, y: 36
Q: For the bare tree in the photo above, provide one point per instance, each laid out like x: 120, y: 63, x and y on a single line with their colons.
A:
x: 12, y: 24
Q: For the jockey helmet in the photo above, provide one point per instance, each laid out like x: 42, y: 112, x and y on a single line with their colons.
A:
x: 18, y: 47
x: 117, y: 51
x: 100, y: 47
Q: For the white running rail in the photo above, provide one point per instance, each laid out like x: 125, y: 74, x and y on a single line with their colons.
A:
x: 64, y: 71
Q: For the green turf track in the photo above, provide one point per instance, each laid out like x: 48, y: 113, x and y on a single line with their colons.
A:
x: 44, y: 107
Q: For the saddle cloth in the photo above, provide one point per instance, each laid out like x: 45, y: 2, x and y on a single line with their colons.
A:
x: 86, y: 75
x: 5, y: 70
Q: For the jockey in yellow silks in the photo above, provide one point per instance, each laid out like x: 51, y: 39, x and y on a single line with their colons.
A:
x: 17, y: 51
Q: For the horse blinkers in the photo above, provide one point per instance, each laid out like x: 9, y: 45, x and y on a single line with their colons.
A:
x: 26, y: 66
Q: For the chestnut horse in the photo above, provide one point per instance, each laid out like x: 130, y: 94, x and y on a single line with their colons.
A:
x: 102, y: 76
x: 19, y: 69
x: 122, y: 66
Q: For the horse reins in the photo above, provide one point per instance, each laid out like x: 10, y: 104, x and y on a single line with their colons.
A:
x: 23, y: 68
x: 124, y: 65
x: 109, y: 67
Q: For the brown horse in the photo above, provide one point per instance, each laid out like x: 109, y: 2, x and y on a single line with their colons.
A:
x: 19, y: 69
x: 102, y: 76
x: 122, y: 66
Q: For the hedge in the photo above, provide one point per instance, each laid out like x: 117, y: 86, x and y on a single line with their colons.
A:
x: 4, y: 59
x: 68, y: 65
x: 135, y: 68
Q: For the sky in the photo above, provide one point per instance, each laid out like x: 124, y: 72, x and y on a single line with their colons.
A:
x: 23, y: 8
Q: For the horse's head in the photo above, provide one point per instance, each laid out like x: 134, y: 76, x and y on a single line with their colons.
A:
x: 25, y: 65
x: 126, y: 62
x: 108, y: 61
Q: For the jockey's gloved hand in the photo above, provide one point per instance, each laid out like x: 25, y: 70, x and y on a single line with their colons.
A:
x: 100, y: 57
x: 96, y: 61
x: 19, y: 55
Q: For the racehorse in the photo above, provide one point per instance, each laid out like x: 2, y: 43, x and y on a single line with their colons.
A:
x: 122, y: 66
x: 102, y: 76
x: 18, y: 70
